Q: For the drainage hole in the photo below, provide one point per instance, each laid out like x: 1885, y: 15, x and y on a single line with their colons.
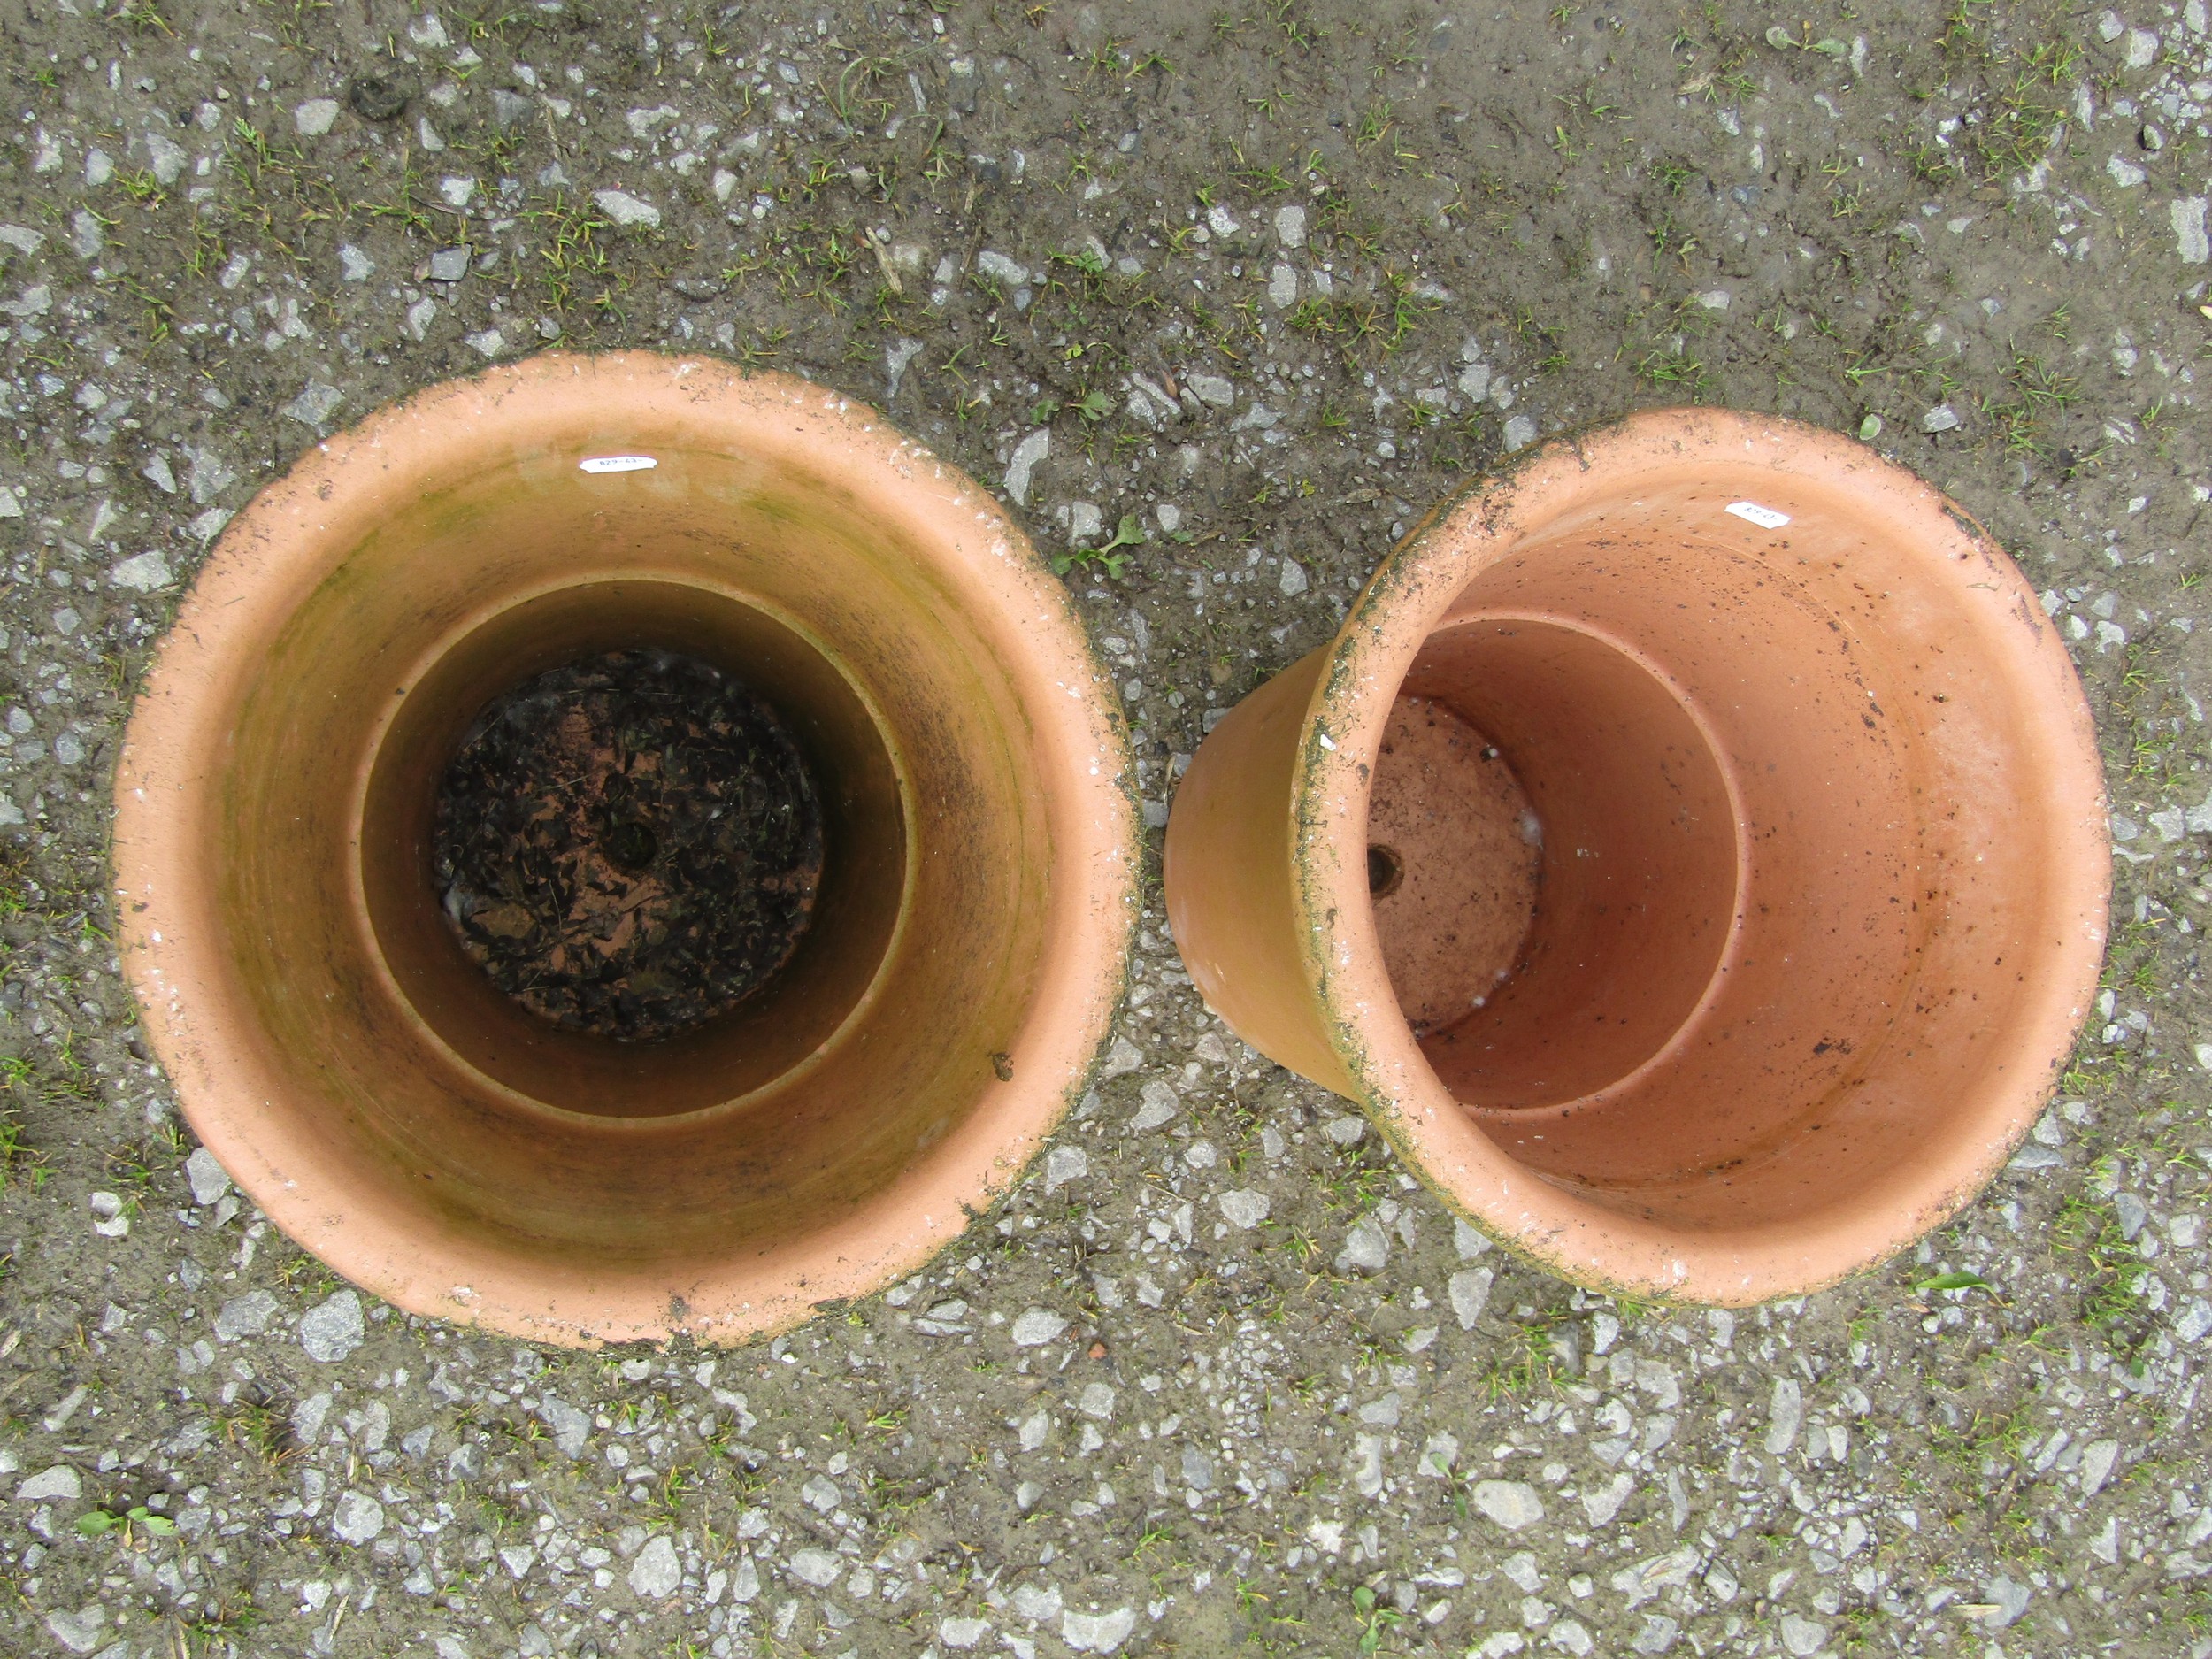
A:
x: 628, y: 845
x: 1385, y: 870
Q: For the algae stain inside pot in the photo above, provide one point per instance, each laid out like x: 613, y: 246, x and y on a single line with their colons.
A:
x: 628, y: 845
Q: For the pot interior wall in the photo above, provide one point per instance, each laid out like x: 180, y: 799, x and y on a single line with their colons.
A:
x: 1790, y: 825
x: 763, y: 1124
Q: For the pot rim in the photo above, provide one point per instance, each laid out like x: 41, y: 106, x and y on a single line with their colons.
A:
x: 1341, y: 952
x: 274, y: 552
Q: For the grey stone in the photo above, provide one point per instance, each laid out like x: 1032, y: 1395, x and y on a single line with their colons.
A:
x: 79, y: 1631
x: 333, y: 1330
x: 1512, y: 1504
x: 1036, y: 1602
x: 1198, y: 1470
x: 962, y: 1633
x: 209, y: 477
x: 1097, y: 1402
x: 657, y: 1573
x: 1097, y: 1632
x: 357, y: 1518
x: 59, y: 1483
x: 245, y: 1316
x: 1294, y: 578
x: 1158, y: 1104
x: 2195, y: 1320
x: 1212, y: 388
x: 1000, y: 269
x: 1520, y: 432
x: 1037, y: 1326
x: 1800, y: 1635
x: 1469, y: 1293
x: 450, y: 265
x: 165, y: 159
x: 316, y: 117
x: 1365, y: 1464
x: 315, y: 405
x: 1063, y: 1164
x: 1785, y: 1414
x: 2131, y: 1213
x: 816, y: 1568
x: 1942, y: 418
x: 571, y: 1427
x: 308, y: 1417
x: 1366, y: 1248
x: 1290, y: 226
x: 1023, y: 463
x: 625, y: 209
x: 1121, y: 1059
x: 1602, y: 1503
x: 1244, y: 1207
x: 2098, y: 1460
x: 141, y: 573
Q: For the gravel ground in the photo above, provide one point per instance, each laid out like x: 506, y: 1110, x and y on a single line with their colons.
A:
x: 1220, y: 301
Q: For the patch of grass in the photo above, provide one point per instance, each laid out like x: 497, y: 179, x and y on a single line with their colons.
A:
x: 253, y: 1424
x: 1984, y: 1434
x: 1383, y: 319
x: 2106, y: 1271
x: 1523, y: 1363
x: 2034, y: 395
x: 2017, y: 67
x: 1673, y: 368
x: 570, y: 248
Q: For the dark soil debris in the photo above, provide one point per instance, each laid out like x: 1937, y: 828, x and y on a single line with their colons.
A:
x: 629, y: 845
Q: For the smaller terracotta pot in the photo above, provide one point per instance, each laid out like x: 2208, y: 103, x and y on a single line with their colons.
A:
x: 361, y: 1078
x: 1691, y: 851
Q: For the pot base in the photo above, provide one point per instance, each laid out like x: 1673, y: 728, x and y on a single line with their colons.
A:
x: 1457, y: 846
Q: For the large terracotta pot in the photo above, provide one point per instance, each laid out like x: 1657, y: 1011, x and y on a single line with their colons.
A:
x: 432, y: 1139
x: 1691, y: 851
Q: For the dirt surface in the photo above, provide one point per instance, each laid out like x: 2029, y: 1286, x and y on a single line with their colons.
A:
x: 1220, y: 299
x: 628, y: 845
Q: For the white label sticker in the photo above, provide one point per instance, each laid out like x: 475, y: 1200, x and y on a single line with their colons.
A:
x: 1765, y: 517
x: 640, y: 462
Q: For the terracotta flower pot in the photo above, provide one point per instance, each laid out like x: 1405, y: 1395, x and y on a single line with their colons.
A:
x: 432, y: 1139
x: 1691, y: 851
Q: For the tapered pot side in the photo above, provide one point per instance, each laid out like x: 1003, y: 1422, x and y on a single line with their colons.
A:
x: 430, y: 1138
x: 1692, y: 852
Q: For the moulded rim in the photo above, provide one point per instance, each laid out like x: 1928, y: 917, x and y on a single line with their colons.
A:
x: 210, y: 1043
x: 1340, y: 953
